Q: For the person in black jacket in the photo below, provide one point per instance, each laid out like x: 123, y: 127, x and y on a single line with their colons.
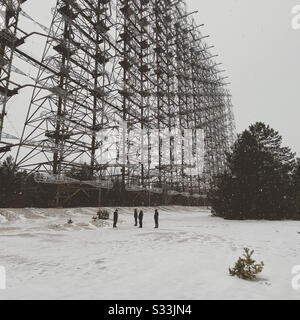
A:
x: 141, y: 216
x: 156, y: 218
x: 116, y: 216
x: 135, y: 217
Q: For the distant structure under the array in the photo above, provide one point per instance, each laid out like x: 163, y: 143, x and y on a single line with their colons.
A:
x: 128, y: 87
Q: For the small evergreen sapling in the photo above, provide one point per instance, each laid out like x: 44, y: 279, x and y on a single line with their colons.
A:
x: 246, y: 268
x: 103, y: 214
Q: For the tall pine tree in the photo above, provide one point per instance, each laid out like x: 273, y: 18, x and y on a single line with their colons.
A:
x: 258, y: 182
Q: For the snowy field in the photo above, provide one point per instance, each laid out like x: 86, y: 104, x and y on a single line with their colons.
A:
x: 187, y: 258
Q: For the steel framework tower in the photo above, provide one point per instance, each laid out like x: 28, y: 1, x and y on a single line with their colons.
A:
x: 9, y: 14
x: 130, y: 88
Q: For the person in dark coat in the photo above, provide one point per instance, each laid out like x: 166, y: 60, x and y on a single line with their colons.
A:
x: 141, y: 216
x: 116, y: 216
x: 156, y: 218
x: 135, y: 217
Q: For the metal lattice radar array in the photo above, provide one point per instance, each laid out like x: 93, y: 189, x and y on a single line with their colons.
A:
x: 9, y: 17
x: 128, y: 87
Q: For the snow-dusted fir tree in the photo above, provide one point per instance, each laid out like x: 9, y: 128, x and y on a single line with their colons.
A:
x: 258, y: 182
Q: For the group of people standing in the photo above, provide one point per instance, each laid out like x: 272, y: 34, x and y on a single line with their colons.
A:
x: 138, y: 218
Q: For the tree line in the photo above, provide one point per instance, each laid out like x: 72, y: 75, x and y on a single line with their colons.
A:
x: 18, y: 189
x: 262, y: 181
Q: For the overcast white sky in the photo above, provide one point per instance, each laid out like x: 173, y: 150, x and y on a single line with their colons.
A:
x: 259, y: 50
x: 261, y: 53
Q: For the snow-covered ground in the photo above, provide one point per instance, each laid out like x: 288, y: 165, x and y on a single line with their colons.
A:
x: 187, y: 258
